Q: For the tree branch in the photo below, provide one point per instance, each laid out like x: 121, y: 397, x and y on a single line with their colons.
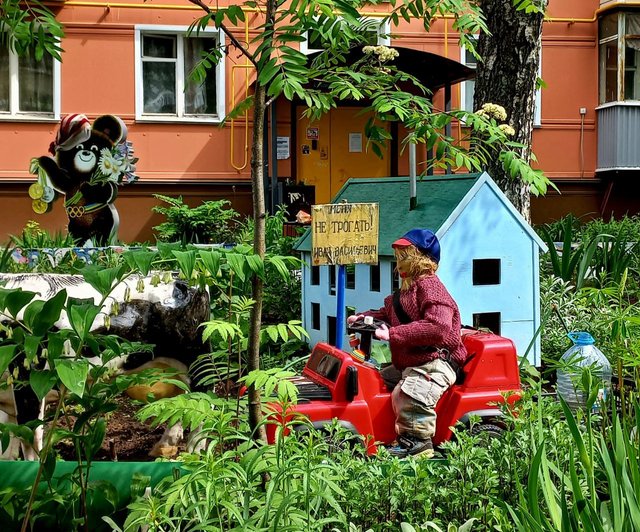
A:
x: 226, y: 31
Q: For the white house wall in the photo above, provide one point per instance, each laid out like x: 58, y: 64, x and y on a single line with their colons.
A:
x: 485, y: 229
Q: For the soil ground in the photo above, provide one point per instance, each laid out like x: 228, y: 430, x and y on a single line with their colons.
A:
x: 127, y: 439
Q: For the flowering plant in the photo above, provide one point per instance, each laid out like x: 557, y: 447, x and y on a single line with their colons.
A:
x: 115, y: 165
x: 383, y: 53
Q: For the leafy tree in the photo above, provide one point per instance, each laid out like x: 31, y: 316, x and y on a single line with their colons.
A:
x: 281, y: 69
x: 507, y: 75
x: 30, y: 26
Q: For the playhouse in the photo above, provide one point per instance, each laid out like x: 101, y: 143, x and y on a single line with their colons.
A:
x: 489, y: 256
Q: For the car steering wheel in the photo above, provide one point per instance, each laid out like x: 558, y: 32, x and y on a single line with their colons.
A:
x: 359, y: 326
x: 366, y: 332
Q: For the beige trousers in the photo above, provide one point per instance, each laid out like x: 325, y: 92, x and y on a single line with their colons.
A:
x: 416, y: 392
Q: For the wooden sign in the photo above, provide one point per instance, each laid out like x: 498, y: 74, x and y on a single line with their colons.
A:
x: 344, y: 233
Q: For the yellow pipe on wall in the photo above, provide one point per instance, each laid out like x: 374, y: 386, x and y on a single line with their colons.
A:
x: 247, y: 65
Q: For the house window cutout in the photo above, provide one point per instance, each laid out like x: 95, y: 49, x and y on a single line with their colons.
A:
x: 315, y: 316
x: 374, y: 277
x: 332, y: 280
x: 349, y: 311
x: 486, y: 271
x: 487, y: 320
x: 315, y: 275
x: 350, y: 281
x: 331, y: 329
x: 395, y: 276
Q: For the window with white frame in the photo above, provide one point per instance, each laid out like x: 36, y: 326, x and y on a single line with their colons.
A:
x: 376, y: 30
x: 467, y: 88
x: 619, y: 40
x: 165, y: 57
x: 29, y: 88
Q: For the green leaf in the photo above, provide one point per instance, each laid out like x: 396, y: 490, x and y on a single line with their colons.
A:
x: 82, y: 317
x: 140, y: 260
x: 211, y: 260
x: 7, y: 352
x: 73, y: 374
x: 236, y: 262
x: 42, y: 382
x: 186, y: 262
x: 103, y: 279
x: 16, y: 300
x: 45, y: 315
x: 96, y: 437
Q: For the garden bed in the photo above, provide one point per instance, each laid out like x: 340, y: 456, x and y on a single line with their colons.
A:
x: 127, y: 439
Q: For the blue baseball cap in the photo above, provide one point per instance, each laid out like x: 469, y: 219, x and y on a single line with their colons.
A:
x: 423, y: 239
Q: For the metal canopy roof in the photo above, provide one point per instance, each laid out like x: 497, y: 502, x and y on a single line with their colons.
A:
x: 432, y: 70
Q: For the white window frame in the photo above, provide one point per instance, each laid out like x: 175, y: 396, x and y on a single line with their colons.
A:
x: 537, y: 116
x: 14, y: 114
x: 180, y: 32
x: 383, y: 31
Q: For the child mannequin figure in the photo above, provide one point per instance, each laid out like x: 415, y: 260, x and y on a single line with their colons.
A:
x: 424, y: 336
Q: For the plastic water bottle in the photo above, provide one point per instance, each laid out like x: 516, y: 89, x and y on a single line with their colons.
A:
x: 583, y: 353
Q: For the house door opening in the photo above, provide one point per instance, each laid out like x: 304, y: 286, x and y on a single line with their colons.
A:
x: 334, y: 149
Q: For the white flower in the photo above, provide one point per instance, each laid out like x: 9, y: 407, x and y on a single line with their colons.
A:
x: 109, y: 165
x: 493, y: 110
x: 507, y: 130
x: 384, y: 53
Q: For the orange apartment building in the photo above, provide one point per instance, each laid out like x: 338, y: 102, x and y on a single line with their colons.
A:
x: 129, y: 59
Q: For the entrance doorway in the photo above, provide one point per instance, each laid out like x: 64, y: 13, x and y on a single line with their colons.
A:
x: 334, y: 149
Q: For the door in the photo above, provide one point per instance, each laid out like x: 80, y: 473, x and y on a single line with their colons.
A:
x: 334, y: 149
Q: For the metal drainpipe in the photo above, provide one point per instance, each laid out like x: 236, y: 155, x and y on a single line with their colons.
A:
x: 447, y: 108
x: 413, y: 194
x: 275, y: 191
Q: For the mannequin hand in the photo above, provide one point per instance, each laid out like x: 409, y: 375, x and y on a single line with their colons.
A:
x: 354, y: 317
x: 382, y: 333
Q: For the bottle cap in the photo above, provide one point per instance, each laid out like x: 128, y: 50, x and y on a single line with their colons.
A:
x: 581, y: 338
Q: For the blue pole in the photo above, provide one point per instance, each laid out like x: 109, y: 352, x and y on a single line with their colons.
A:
x: 340, y: 319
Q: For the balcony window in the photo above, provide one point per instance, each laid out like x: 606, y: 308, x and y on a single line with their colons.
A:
x: 29, y: 88
x: 619, y: 42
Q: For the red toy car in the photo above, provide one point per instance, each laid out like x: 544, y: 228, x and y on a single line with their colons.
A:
x: 348, y: 387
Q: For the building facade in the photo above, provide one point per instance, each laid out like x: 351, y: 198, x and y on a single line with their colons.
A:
x: 130, y: 59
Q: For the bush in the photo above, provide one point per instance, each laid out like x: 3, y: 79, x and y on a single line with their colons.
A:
x: 211, y: 222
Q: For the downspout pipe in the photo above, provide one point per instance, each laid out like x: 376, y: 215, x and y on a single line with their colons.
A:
x: 413, y: 193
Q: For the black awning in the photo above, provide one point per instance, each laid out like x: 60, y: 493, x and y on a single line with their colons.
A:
x: 432, y: 70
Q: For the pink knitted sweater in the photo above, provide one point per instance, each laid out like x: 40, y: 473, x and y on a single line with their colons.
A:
x: 435, y: 322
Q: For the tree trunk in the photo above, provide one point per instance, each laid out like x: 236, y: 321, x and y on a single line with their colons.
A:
x: 507, y: 76
x: 259, y: 248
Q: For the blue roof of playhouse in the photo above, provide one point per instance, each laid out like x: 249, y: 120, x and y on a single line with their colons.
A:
x: 440, y: 199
